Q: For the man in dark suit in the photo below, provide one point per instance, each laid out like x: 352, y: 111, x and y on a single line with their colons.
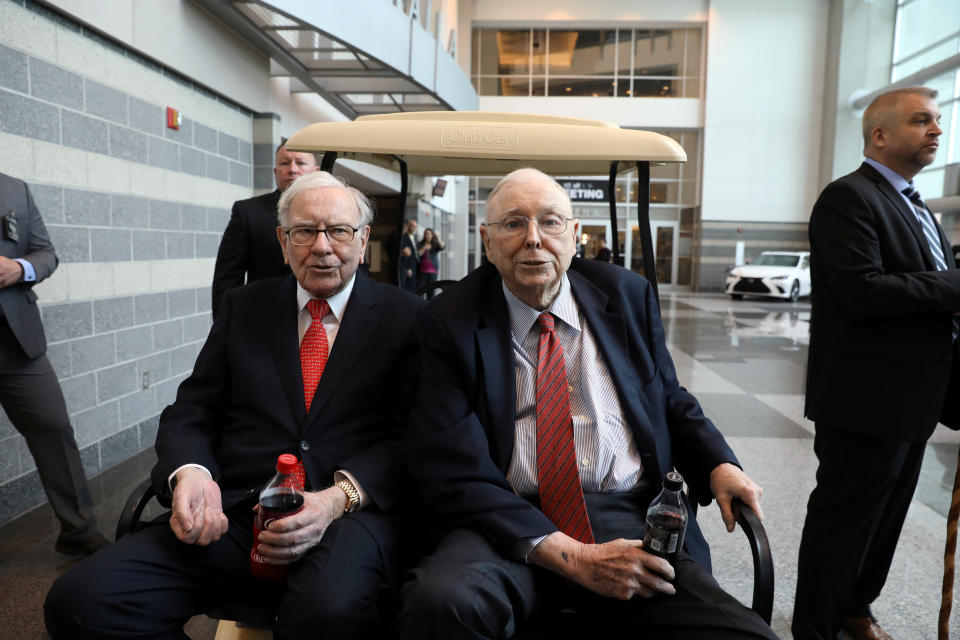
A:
x: 882, y: 349
x: 248, y: 249
x: 249, y: 400
x: 29, y: 390
x: 409, y: 258
x: 483, y: 464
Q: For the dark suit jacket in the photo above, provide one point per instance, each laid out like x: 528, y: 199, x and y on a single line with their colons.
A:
x: 243, y: 404
x: 249, y: 249
x: 460, y: 439
x: 18, y: 302
x: 881, y: 345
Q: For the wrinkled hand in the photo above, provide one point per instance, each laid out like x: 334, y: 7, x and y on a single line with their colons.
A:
x: 287, y: 540
x: 728, y: 481
x: 11, y: 272
x: 617, y: 569
x: 198, y: 516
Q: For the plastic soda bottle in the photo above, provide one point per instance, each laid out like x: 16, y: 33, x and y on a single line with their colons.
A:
x: 282, y: 497
x: 667, y: 520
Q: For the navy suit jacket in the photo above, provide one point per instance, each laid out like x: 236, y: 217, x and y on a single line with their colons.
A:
x: 460, y: 440
x: 243, y: 404
x: 249, y: 249
x: 18, y: 302
x: 881, y: 349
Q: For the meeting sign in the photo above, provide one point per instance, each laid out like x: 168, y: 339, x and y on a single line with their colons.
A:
x: 585, y: 190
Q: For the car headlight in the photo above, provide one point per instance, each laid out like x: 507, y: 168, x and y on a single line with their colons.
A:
x: 779, y: 277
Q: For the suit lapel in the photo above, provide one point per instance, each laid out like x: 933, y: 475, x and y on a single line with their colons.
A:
x: 360, y: 319
x: 495, y: 352
x: 283, y: 337
x: 909, y: 217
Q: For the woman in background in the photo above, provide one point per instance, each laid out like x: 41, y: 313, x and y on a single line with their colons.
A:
x: 429, y: 247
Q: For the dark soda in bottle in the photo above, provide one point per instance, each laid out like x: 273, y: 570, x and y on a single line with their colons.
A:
x: 282, y: 497
x: 667, y: 520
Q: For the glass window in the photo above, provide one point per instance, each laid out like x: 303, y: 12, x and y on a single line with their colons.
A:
x: 924, y: 22
x: 583, y: 53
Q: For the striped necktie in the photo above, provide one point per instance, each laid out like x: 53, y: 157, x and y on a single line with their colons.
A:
x: 928, y: 225
x: 561, y: 493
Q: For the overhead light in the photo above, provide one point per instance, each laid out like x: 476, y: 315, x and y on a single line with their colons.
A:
x: 569, y: 88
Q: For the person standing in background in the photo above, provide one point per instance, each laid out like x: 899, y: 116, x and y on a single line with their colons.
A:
x: 429, y: 247
x: 29, y: 390
x: 249, y: 250
x: 409, y: 258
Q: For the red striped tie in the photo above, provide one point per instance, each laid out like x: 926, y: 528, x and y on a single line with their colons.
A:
x: 561, y: 494
x: 314, y: 350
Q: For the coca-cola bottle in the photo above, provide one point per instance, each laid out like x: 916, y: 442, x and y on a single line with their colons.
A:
x: 667, y: 520
x: 282, y: 497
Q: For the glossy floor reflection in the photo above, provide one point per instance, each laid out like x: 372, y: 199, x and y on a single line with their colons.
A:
x: 745, y: 361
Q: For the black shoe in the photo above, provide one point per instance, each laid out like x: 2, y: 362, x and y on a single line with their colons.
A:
x: 82, y: 547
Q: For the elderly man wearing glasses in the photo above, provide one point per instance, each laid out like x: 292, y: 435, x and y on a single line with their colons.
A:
x: 290, y: 366
x: 547, y: 415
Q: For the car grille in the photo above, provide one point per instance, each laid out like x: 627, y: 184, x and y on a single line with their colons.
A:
x: 751, y: 285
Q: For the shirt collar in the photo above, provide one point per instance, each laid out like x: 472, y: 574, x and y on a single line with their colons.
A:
x: 896, y: 180
x: 523, y: 316
x: 337, y: 302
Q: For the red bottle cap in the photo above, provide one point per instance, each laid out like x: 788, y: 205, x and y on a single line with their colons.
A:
x: 287, y: 463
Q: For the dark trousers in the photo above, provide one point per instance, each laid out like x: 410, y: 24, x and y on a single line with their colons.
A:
x: 31, y: 397
x: 854, y: 518
x: 467, y: 589
x: 149, y: 584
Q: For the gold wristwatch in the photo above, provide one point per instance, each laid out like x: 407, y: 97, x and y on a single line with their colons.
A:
x: 353, y: 496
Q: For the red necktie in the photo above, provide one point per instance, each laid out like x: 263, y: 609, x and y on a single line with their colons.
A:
x: 314, y: 350
x: 561, y: 494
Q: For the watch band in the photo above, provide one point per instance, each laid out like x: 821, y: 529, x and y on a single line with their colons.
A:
x: 353, y: 496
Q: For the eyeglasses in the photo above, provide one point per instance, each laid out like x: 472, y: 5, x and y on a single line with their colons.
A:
x: 551, y: 224
x: 336, y: 234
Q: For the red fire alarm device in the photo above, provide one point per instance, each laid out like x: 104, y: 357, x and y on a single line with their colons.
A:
x: 173, y: 118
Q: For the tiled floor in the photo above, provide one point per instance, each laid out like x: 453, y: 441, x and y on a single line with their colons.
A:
x: 746, y: 362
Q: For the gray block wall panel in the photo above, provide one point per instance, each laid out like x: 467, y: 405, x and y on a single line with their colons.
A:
x: 6, y: 427
x: 92, y: 353
x: 13, y: 69
x: 86, y: 208
x: 196, y: 327
x: 204, y: 300
x: 20, y: 495
x: 9, y: 459
x: 110, y: 245
x: 128, y: 144
x: 105, y: 102
x: 167, y: 390
x: 59, y: 357
x: 27, y: 463
x: 112, y: 314
x: 134, y: 408
x: 96, y: 423
x: 90, y: 457
x: 130, y: 211
x: 68, y: 320
x: 167, y: 335
x: 193, y: 217
x: 117, y: 381
x: 207, y: 245
x: 180, y: 245
x: 205, y: 138
x: 52, y: 83
x: 72, y: 243
x: 149, y: 245
x: 192, y: 161
x: 241, y: 174
x: 49, y: 201
x: 217, y: 219
x: 150, y: 307
x: 245, y: 152
x: 183, y: 135
x: 146, y: 117
x: 80, y: 392
x: 163, y: 153
x: 82, y: 132
x: 263, y: 178
x: 228, y: 145
x: 29, y: 118
x: 217, y: 168
x: 134, y: 343
x: 164, y: 214
x: 148, y: 431
x: 183, y: 358
x: 157, y: 367
x: 264, y: 154
x: 181, y: 303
